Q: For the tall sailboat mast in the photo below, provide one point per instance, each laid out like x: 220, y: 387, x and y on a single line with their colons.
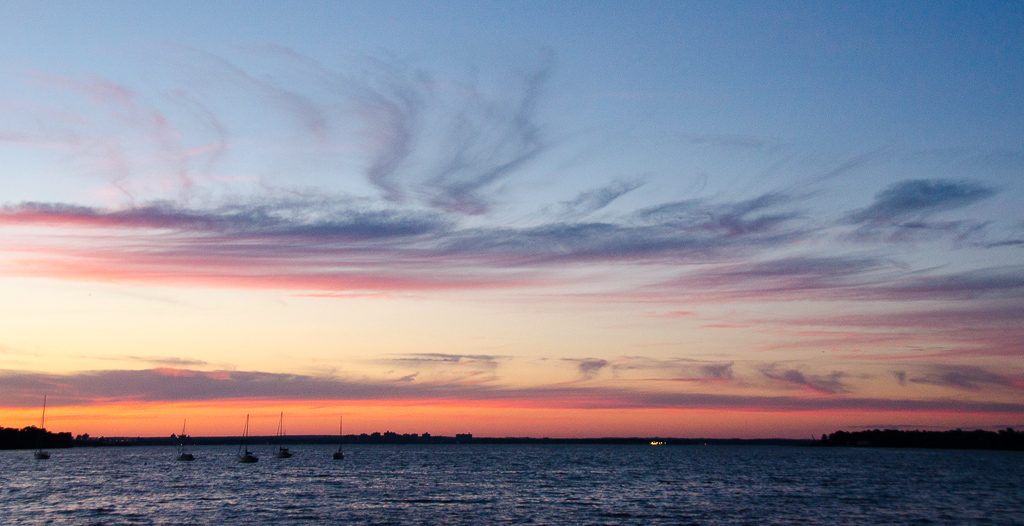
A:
x: 281, y: 451
x: 40, y: 454
x: 339, y: 454
x: 244, y: 455
x: 184, y: 454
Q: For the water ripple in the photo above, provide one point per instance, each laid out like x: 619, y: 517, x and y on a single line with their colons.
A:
x: 539, y: 484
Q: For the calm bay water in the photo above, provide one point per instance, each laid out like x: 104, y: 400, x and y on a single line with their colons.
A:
x: 519, y: 484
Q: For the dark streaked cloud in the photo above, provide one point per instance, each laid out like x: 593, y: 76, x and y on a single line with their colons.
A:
x: 992, y: 283
x: 903, y: 211
x: 407, y: 378
x: 332, y: 244
x: 919, y: 198
x: 314, y: 219
x: 717, y: 370
x: 444, y: 368
x: 791, y: 274
x: 829, y: 384
x: 854, y: 277
x: 765, y: 214
x: 1005, y: 243
x: 443, y: 358
x: 170, y: 361
x: 424, y: 360
x: 966, y: 377
x: 588, y: 367
x: 23, y: 389
x: 806, y: 277
x: 672, y: 369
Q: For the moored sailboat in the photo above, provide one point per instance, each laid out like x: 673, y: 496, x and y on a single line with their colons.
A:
x: 281, y: 452
x: 339, y: 454
x: 40, y: 454
x: 183, y: 453
x: 244, y: 455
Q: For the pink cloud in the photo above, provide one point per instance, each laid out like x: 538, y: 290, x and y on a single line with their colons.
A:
x: 23, y: 389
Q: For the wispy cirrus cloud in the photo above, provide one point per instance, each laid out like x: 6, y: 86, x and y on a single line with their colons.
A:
x: 766, y: 214
x: 137, y: 143
x: 958, y: 331
x: 1003, y: 282
x: 444, y: 147
x: 854, y: 277
x: 484, y: 150
x: 737, y: 142
x: 796, y: 277
x: 591, y: 201
x: 428, y: 181
x: 306, y: 112
x: 332, y: 245
x: 334, y: 241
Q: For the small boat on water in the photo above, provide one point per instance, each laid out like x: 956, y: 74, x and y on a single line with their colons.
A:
x: 244, y: 455
x: 339, y: 454
x: 40, y: 454
x: 281, y: 452
x: 183, y: 452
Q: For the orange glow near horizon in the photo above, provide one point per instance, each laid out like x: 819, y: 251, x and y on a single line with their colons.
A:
x: 314, y: 417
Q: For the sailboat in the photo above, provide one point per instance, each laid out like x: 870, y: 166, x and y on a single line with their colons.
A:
x: 247, y: 457
x: 281, y: 452
x: 339, y: 454
x: 183, y: 453
x: 40, y: 454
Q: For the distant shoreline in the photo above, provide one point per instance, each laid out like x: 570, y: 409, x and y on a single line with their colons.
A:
x: 1006, y: 439
x: 434, y: 439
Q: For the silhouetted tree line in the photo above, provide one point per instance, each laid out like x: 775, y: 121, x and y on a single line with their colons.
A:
x: 32, y: 437
x: 1004, y: 439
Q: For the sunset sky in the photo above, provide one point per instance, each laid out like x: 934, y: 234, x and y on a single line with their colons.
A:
x: 565, y: 219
